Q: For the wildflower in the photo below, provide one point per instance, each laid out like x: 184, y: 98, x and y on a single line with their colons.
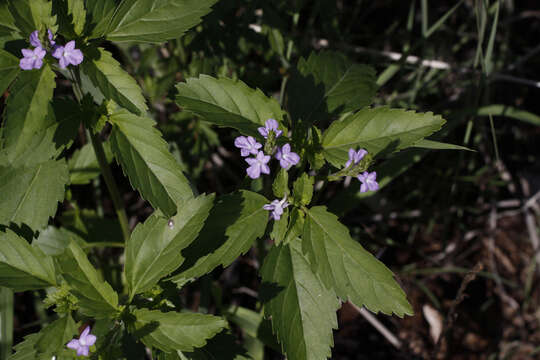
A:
x: 355, y: 157
x: 270, y: 125
x: 258, y: 165
x: 34, y: 39
x: 276, y: 207
x: 247, y: 145
x: 68, y: 55
x: 33, y: 59
x: 50, y: 36
x: 369, y: 182
x: 286, y: 157
x: 84, y: 342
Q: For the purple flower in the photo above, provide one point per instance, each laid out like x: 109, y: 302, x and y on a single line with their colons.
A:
x: 355, y: 156
x: 33, y: 59
x: 68, y: 54
x: 270, y: 125
x: 247, y: 145
x: 84, y: 342
x: 50, y: 36
x: 286, y: 157
x: 34, y: 39
x: 276, y: 207
x: 258, y: 165
x: 369, y: 181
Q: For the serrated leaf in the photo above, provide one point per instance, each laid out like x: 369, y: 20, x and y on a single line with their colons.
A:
x: 146, y: 160
x: 31, y: 193
x: 71, y: 17
x: 25, y: 350
x: 155, y: 21
x: 96, y: 297
x: 54, y: 241
x: 30, y: 15
x: 27, y: 108
x: 83, y: 165
x: 53, y: 337
x: 253, y: 325
x: 303, y: 189
x: 23, y: 267
x: 343, y: 264
x: 377, y: 130
x: 7, y: 23
x: 227, y: 102
x: 98, y: 16
x: 9, y: 69
x: 154, y: 249
x: 296, y: 225
x: 78, y: 13
x: 172, y: 331
x: 302, y: 310
x: 114, y: 82
x: 231, y: 228
x: 279, y: 227
x: 329, y: 83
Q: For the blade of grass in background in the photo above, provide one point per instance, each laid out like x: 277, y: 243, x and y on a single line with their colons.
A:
x: 489, y: 51
x: 6, y: 322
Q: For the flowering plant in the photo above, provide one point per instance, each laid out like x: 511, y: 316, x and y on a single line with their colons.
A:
x: 324, y: 130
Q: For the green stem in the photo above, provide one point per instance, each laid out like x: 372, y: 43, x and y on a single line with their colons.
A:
x: 104, y: 244
x: 287, y: 59
x: 6, y: 322
x: 111, y: 184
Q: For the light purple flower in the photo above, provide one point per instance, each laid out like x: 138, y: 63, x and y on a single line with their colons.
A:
x: 270, y: 125
x: 50, y: 36
x: 247, y: 145
x: 68, y: 55
x: 286, y: 157
x: 34, y: 39
x: 355, y: 156
x: 82, y: 345
x: 276, y: 207
x: 33, y: 59
x: 258, y: 165
x: 369, y: 181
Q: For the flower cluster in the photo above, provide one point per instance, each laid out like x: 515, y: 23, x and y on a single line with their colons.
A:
x: 368, y: 179
x: 83, y: 343
x: 66, y: 55
x: 259, y: 164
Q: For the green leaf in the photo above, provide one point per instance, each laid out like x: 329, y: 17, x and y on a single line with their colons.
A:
x: 7, y: 23
x: 23, y: 267
x: 146, y: 160
x: 377, y: 130
x: 227, y: 102
x: 114, y: 82
x: 31, y: 193
x: 54, y: 241
x: 27, y: 108
x: 83, y: 165
x: 155, y: 21
x: 96, y: 297
x: 78, y: 14
x: 303, y: 189
x: 509, y: 112
x: 153, y: 251
x: 296, y: 225
x: 302, y: 310
x: 231, y: 228
x: 345, y: 265
x: 53, y: 338
x: 329, y: 83
x: 71, y: 17
x: 437, y: 145
x: 26, y: 350
x: 9, y: 69
x: 98, y: 17
x: 279, y: 227
x: 172, y: 331
x: 280, y: 186
x: 30, y: 15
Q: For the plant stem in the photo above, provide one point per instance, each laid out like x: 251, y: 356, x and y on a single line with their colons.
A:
x: 6, y: 322
x: 104, y: 244
x: 111, y: 184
